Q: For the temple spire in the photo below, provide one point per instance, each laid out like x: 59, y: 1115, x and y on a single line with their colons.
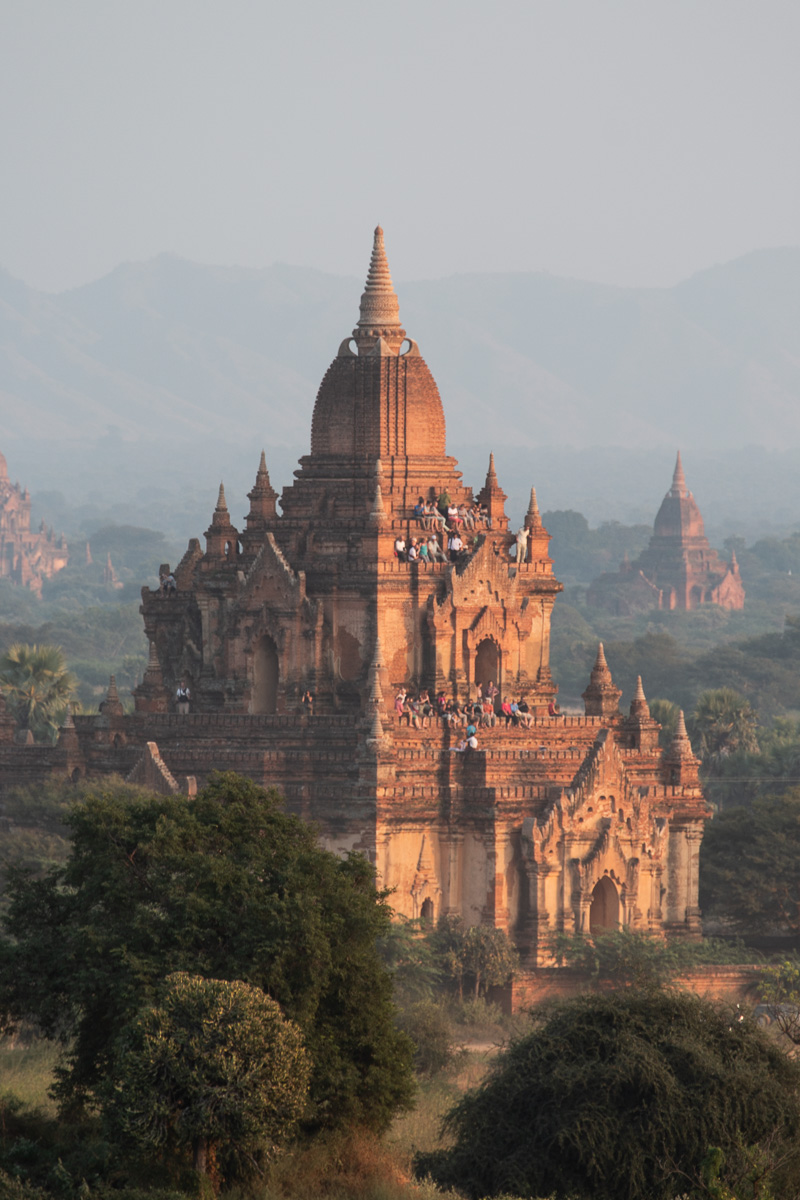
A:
x: 494, y: 499
x: 222, y: 506
x: 678, y: 478
x: 379, y: 314
x: 601, y: 698
x: 639, y: 706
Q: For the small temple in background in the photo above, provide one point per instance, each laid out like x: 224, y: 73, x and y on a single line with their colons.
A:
x: 26, y: 558
x: 283, y: 648
x: 677, y: 570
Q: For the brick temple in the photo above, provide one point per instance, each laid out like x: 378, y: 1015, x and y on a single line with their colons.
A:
x: 27, y: 557
x: 677, y: 570
x: 574, y: 823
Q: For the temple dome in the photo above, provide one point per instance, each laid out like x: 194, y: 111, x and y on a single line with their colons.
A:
x: 378, y: 401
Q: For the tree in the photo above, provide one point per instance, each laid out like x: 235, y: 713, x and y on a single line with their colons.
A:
x: 479, y: 953
x: 214, y: 1067
x: 621, y: 1097
x: 36, y: 687
x: 223, y: 885
x: 780, y: 990
x: 721, y: 724
x: 750, y: 866
x: 666, y: 713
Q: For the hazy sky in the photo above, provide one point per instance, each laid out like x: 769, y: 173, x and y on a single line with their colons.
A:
x: 627, y: 141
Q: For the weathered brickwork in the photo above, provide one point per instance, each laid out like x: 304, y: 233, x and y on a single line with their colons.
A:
x: 571, y: 823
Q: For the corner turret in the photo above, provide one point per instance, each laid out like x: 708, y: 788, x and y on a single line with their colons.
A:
x: 601, y: 698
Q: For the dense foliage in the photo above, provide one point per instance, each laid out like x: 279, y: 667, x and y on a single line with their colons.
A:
x: 223, y: 885
x: 212, y: 1067
x: 36, y: 687
x: 621, y: 1097
x: 750, y: 866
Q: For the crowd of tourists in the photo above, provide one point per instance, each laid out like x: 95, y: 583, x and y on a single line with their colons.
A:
x: 486, y: 709
x: 450, y: 530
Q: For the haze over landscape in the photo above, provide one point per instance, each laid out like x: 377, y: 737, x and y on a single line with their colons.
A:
x: 302, y: 822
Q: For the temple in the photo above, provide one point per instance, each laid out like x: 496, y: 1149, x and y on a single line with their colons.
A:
x: 565, y: 823
x: 677, y: 570
x: 26, y: 558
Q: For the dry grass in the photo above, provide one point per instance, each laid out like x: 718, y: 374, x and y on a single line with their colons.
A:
x: 26, y: 1070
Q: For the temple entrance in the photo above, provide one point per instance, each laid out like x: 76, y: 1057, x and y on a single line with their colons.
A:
x: 604, y: 912
x: 265, y: 677
x: 427, y: 911
x: 487, y: 663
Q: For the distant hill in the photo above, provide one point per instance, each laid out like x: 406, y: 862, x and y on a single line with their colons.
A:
x: 170, y: 367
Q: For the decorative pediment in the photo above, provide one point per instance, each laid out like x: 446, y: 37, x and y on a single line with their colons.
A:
x: 272, y: 580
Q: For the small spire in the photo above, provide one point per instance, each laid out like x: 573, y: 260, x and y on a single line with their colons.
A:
x: 600, y: 664
x: 221, y: 503
x: 379, y: 313
x: 678, y: 478
x: 378, y: 512
x: 112, y: 693
x: 376, y: 732
x: 681, y: 747
x: 491, y: 474
x: 533, y: 506
x: 68, y: 721
x: 639, y: 706
x: 262, y: 472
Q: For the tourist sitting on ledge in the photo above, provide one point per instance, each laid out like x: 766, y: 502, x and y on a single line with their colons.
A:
x: 168, y: 584
x: 307, y: 701
x: 412, y: 553
x: 399, y: 702
x: 466, y: 744
x: 420, y: 512
x: 524, y: 713
x: 435, y: 551
x: 400, y: 548
x: 553, y: 709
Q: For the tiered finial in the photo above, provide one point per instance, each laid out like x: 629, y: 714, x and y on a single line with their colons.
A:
x: 491, y: 474
x: 221, y: 502
x: 379, y: 313
x: 639, y: 706
x: 601, y: 698
x: 678, y: 478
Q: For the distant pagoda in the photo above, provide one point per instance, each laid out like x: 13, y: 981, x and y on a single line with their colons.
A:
x: 26, y: 558
x: 677, y: 570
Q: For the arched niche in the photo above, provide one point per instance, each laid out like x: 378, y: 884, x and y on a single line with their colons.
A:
x: 426, y: 912
x: 266, y: 673
x: 604, y: 911
x: 488, y: 663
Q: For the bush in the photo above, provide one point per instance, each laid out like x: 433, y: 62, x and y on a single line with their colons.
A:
x: 428, y: 1025
x: 621, y: 1097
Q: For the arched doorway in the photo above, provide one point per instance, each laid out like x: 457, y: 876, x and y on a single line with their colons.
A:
x: 487, y: 663
x: 265, y: 677
x: 604, y: 912
x: 427, y: 911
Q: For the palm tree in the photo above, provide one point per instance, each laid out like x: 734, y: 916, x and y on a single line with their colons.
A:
x: 666, y: 713
x: 722, y: 723
x: 36, y: 686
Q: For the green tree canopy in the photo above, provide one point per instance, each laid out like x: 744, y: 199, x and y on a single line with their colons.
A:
x: 722, y: 723
x: 36, y: 686
x: 223, y: 885
x: 750, y: 866
x: 213, y: 1067
x: 621, y: 1097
